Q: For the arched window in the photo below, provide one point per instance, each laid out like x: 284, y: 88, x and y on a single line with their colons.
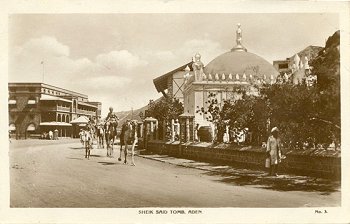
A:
x: 67, y: 118
x: 59, y: 118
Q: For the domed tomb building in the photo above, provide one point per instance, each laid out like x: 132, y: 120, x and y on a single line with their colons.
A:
x: 222, y: 78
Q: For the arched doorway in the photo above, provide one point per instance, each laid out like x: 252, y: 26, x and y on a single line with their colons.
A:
x: 30, y: 130
x: 12, y: 131
x: 59, y: 118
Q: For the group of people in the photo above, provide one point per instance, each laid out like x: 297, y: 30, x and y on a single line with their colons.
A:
x: 107, y: 130
x: 93, y: 128
x: 51, y: 135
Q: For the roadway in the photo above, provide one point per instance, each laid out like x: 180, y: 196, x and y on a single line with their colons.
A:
x: 46, y: 173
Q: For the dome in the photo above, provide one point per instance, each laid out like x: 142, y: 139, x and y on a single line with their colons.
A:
x: 241, y: 62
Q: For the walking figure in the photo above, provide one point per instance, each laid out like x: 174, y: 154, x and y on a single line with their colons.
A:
x: 273, y: 150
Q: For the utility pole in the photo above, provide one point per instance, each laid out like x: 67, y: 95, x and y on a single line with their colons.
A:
x: 42, y: 62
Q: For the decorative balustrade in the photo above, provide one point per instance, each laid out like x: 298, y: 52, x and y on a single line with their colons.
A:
x: 61, y: 108
x: 86, y: 112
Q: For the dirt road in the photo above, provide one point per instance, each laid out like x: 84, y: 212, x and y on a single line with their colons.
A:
x: 46, y: 173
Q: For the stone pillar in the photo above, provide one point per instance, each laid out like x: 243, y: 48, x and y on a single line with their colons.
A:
x: 164, y: 130
x: 194, y: 132
x: 156, y: 130
x: 186, y: 127
x: 172, y: 130
x: 141, y: 130
x: 151, y: 130
x: 149, y: 124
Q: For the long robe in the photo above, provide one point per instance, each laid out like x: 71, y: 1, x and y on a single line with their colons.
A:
x: 274, y: 149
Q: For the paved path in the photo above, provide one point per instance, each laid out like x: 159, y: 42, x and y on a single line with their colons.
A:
x: 47, y: 173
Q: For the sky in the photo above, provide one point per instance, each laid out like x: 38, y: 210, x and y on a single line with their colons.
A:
x: 113, y: 58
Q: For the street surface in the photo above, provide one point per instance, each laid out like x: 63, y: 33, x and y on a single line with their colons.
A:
x: 46, y: 173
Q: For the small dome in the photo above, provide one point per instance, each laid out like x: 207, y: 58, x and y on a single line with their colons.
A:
x: 241, y: 62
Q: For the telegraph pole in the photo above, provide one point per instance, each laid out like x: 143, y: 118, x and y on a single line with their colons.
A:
x: 42, y: 62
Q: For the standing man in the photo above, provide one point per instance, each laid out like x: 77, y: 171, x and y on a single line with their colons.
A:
x: 50, y: 135
x: 273, y: 150
x: 55, y: 134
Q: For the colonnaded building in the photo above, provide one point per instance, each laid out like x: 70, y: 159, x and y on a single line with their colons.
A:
x: 195, y: 83
x: 35, y: 108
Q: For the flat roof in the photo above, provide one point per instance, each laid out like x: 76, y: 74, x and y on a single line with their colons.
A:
x: 40, y: 84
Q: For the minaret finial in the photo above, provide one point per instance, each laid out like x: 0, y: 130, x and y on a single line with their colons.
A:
x: 239, y: 46
x: 239, y: 34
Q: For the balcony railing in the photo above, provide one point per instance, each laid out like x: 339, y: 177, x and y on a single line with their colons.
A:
x: 66, y: 109
x: 86, y: 112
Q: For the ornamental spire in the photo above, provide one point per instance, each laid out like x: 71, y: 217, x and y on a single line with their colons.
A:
x: 239, y: 46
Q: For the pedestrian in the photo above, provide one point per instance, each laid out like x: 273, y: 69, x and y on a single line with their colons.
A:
x: 55, y: 134
x: 196, y: 137
x: 50, y: 135
x: 273, y: 150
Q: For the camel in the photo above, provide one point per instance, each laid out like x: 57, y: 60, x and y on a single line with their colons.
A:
x: 128, y: 136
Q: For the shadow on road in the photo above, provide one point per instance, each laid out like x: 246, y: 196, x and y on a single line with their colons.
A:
x: 107, y: 163
x: 242, y: 176
x: 96, y: 156
x: 76, y: 147
x: 74, y: 158
x: 280, y: 183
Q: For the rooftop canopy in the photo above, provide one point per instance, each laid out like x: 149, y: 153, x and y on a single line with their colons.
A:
x: 54, y: 123
x: 80, y: 120
x: 45, y: 97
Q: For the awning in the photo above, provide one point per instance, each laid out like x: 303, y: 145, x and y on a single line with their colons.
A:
x: 45, y: 97
x: 54, y: 123
x: 80, y: 120
x: 12, y: 102
x: 12, y: 127
x: 31, y: 102
x: 31, y: 127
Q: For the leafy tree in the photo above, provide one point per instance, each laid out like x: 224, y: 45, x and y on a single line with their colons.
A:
x: 166, y: 109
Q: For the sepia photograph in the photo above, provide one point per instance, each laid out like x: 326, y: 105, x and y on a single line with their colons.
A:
x: 176, y: 114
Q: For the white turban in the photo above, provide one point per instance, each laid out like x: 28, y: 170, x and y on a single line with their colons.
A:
x: 274, y: 129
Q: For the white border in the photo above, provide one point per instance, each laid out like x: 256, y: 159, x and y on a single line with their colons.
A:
x: 211, y: 215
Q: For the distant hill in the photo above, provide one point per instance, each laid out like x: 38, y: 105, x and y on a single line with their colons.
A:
x: 132, y: 114
x: 310, y: 52
x: 327, y: 63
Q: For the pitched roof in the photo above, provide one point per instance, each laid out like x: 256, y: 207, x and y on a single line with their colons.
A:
x: 161, y: 82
